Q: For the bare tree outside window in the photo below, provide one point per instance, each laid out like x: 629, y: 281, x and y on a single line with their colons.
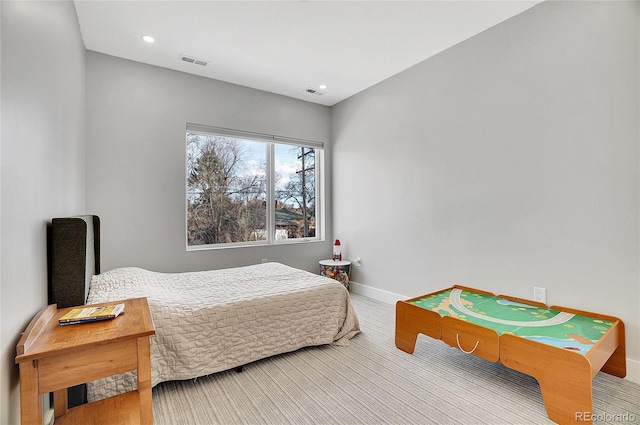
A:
x: 297, y: 197
x: 226, y: 190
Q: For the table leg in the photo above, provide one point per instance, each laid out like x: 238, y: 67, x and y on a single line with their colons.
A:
x: 144, y: 381
x: 564, y: 377
x: 412, y: 320
x: 30, y: 403
x: 567, y: 401
x: 617, y: 363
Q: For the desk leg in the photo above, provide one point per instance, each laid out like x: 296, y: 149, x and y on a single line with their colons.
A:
x: 144, y: 381
x: 30, y: 403
x: 60, y: 402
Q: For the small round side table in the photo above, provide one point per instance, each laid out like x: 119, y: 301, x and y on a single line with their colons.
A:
x: 337, y: 270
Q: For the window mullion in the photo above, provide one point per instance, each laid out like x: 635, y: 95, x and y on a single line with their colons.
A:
x: 319, y: 191
x: 271, y: 194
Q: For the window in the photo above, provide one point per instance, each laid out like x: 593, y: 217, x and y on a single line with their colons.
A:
x: 246, y: 188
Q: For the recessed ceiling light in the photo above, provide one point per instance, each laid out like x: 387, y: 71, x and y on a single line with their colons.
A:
x: 322, y: 86
x: 148, y: 38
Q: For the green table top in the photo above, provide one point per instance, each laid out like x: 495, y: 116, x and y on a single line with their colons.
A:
x: 561, y: 329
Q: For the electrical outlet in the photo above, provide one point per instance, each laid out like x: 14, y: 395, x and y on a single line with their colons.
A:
x: 540, y: 294
x: 357, y: 262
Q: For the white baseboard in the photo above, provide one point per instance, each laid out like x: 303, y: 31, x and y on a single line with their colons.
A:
x: 633, y: 366
x: 633, y: 370
x: 375, y: 293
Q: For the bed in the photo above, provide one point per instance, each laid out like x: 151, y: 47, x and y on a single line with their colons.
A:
x: 562, y: 348
x: 206, y: 321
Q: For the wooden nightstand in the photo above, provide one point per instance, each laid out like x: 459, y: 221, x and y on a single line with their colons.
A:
x: 53, y: 358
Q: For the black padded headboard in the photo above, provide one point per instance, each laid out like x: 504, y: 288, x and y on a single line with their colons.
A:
x: 74, y: 256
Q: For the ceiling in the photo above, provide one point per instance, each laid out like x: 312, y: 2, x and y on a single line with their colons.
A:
x: 287, y: 47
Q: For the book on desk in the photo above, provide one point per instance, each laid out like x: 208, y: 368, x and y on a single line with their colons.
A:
x: 91, y: 314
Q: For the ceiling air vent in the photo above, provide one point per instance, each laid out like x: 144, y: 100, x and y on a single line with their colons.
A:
x: 314, y: 91
x: 193, y: 60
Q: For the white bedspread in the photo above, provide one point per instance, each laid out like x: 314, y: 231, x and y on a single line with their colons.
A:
x: 216, y: 320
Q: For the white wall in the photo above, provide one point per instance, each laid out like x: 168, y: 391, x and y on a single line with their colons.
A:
x: 506, y: 162
x: 136, y: 116
x: 42, y: 144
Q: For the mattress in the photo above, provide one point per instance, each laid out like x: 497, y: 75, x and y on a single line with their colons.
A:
x: 211, y: 321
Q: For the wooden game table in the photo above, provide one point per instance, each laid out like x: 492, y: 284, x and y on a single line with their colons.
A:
x: 562, y: 348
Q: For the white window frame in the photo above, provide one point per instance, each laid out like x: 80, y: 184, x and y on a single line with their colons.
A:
x: 270, y: 141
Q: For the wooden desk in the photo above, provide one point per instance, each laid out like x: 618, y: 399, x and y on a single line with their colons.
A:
x: 53, y: 358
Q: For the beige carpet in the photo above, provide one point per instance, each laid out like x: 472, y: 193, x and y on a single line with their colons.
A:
x: 372, y: 382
